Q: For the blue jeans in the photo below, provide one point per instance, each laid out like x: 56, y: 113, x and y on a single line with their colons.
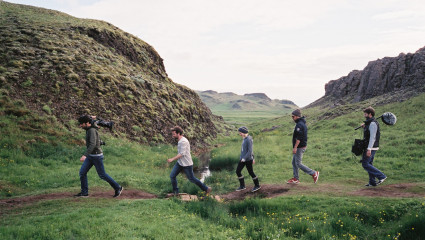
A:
x: 367, y: 163
x: 189, y: 174
x: 97, y: 161
x: 297, y: 163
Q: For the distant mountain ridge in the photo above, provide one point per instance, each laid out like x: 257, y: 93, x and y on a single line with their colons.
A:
x: 63, y: 66
x: 247, y: 102
x: 397, y: 78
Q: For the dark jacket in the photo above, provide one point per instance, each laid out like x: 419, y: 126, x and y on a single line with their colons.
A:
x: 366, y: 133
x: 247, y: 152
x: 300, y: 133
x: 92, y: 141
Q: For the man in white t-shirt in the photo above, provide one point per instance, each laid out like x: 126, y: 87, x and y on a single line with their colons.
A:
x: 184, y: 162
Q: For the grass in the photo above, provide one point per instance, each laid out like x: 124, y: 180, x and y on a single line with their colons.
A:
x: 38, y: 155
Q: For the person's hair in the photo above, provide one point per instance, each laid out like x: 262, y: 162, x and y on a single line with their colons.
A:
x: 84, y: 119
x: 369, y: 110
x: 177, y: 129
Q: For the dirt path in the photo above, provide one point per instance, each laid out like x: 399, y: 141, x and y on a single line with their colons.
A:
x: 401, y: 190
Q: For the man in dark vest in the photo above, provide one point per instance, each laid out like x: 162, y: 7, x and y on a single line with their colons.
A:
x: 371, y: 135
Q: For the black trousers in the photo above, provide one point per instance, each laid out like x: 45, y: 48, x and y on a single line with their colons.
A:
x: 248, y: 165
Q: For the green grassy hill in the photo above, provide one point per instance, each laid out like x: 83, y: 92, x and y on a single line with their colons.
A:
x: 40, y: 147
x: 247, y: 108
x: 39, y: 158
x: 61, y: 66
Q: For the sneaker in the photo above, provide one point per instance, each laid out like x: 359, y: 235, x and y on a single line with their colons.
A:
x: 84, y: 195
x: 256, y: 188
x: 118, y: 192
x: 240, y: 189
x: 369, y: 185
x: 209, y: 190
x: 315, y: 176
x: 381, y: 181
x: 293, y: 181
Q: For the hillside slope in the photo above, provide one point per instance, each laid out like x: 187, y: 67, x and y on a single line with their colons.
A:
x: 246, y: 102
x: 63, y: 66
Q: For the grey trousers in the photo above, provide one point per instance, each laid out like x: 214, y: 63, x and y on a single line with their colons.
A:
x: 297, y: 163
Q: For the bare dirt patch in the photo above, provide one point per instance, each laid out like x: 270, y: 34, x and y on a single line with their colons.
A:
x: 126, y: 194
x: 266, y: 191
x: 403, y: 190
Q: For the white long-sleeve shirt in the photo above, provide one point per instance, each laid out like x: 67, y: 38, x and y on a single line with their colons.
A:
x: 183, y: 148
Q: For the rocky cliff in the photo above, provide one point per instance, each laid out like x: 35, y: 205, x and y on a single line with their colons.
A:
x: 397, y: 77
x: 62, y: 66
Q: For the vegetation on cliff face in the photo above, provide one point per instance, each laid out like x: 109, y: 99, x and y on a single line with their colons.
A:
x: 395, y: 78
x: 62, y: 66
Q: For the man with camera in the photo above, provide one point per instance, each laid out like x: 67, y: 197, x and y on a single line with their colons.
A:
x: 93, y: 157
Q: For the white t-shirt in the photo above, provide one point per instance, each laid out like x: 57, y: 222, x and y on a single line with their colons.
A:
x: 183, y: 148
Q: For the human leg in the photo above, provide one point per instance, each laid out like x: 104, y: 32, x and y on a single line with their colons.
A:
x: 85, y: 167
x: 367, y: 163
x: 191, y: 177
x: 239, y: 168
x: 252, y: 174
x: 173, y: 176
x: 298, y: 161
x: 100, y: 169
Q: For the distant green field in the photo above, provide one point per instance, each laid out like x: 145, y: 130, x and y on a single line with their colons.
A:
x: 238, y: 117
x: 330, y: 209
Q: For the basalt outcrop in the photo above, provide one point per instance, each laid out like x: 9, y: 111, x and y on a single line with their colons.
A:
x: 395, y: 77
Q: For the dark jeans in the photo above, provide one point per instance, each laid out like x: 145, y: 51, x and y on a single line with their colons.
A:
x: 97, y: 161
x: 189, y: 174
x: 367, y: 163
x: 248, y: 165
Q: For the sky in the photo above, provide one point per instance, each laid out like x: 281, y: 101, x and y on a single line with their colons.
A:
x: 288, y: 49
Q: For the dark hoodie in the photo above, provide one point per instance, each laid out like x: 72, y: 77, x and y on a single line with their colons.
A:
x: 92, y: 141
x: 300, y: 133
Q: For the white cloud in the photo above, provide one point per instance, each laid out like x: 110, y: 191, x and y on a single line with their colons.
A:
x: 287, y: 49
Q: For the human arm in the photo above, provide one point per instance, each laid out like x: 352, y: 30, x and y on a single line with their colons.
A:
x: 174, y: 158
x: 294, y: 150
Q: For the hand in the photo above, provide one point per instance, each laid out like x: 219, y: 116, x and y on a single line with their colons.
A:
x: 363, y: 125
x: 170, y: 160
x: 368, y: 153
x: 253, y: 161
x: 82, y: 158
x: 242, y: 160
x: 294, y: 151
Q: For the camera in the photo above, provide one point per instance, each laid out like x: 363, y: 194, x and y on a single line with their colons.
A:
x: 101, y: 122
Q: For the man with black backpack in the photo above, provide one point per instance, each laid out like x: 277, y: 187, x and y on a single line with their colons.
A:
x: 371, y: 135
x: 93, y: 157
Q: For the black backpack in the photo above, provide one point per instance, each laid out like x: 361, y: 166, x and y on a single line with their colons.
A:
x: 358, y: 147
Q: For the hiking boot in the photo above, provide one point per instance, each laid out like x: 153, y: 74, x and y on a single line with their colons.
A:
x: 209, y: 189
x: 381, y: 181
x: 293, y: 181
x: 240, y: 188
x: 256, y: 188
x: 315, y: 176
x: 369, y: 185
x: 84, y: 195
x: 118, y: 192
